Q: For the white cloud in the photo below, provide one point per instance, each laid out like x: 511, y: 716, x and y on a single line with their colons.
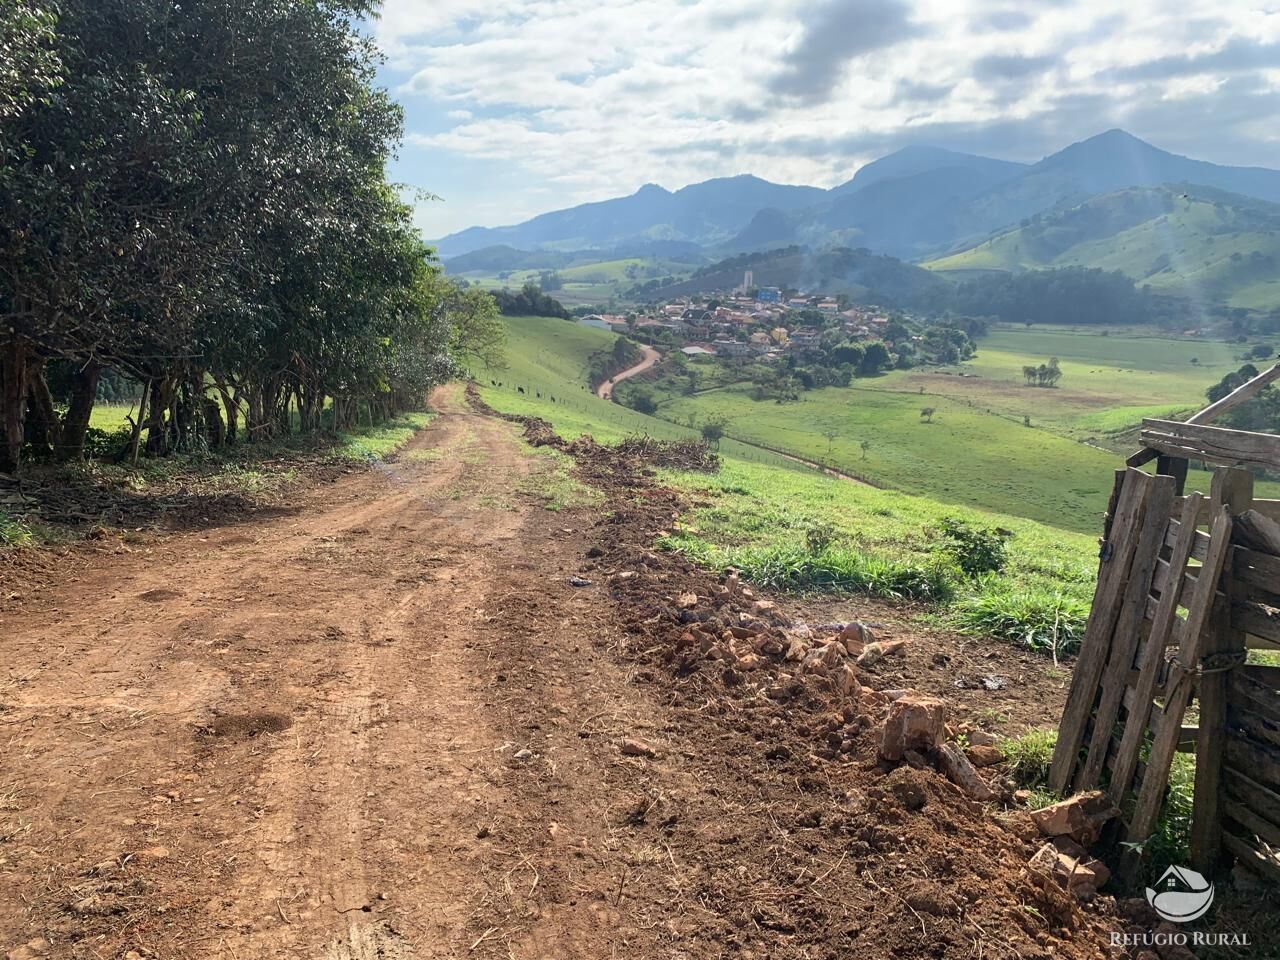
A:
x: 599, y: 96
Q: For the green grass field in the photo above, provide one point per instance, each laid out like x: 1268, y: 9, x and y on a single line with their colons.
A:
x: 965, y: 456
x: 1109, y: 383
x: 976, y: 453
x: 757, y: 512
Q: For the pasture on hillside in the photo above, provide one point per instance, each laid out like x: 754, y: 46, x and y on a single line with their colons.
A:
x: 978, y: 450
x: 1109, y: 382
x: 762, y: 512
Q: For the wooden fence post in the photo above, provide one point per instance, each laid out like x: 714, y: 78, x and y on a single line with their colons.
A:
x: 1232, y: 488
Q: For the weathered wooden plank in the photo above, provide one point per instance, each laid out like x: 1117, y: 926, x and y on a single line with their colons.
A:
x: 1231, y: 448
x: 1198, y: 549
x: 1268, y: 508
x: 1113, y: 573
x: 1167, y: 733
x: 1149, y: 667
x: 1258, y: 761
x: 1251, y: 821
x: 1241, y: 721
x: 1247, y: 792
x: 1252, y: 696
x: 1263, y: 622
x: 1124, y: 642
x: 1175, y: 467
x: 1252, y: 858
x: 1263, y: 673
x: 1160, y: 579
x: 1258, y: 532
x: 1232, y: 491
x: 1256, y: 569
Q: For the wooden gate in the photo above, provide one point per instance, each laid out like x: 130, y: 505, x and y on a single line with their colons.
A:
x: 1188, y: 585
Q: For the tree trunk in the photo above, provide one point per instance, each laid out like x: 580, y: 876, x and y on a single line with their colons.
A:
x: 13, y: 402
x: 43, y: 427
x: 214, y: 429
x: 135, y: 434
x: 158, y: 439
x: 84, y: 391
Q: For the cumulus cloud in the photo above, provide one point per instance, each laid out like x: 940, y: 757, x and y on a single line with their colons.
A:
x: 834, y: 34
x: 590, y: 98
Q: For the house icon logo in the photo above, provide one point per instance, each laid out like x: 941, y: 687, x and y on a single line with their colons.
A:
x: 1181, y: 895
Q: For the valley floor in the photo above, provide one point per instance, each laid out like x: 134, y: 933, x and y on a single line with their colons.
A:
x: 384, y: 724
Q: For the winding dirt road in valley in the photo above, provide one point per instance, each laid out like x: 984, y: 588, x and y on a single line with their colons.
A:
x: 371, y: 728
x: 651, y: 356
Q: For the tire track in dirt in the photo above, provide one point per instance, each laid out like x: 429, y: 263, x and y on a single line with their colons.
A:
x: 303, y: 742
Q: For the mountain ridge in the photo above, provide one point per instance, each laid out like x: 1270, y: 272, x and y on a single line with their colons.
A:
x: 918, y: 203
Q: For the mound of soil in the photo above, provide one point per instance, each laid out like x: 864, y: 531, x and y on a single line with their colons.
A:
x: 821, y: 839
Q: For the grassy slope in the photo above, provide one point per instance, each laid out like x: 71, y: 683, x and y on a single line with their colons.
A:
x: 964, y: 456
x: 1188, y: 251
x: 550, y: 357
x: 977, y: 452
x: 757, y: 510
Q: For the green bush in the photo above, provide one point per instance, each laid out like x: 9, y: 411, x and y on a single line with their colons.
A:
x: 13, y: 531
x: 975, y: 550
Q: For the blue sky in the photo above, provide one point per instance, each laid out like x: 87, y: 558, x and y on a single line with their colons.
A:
x: 516, y: 107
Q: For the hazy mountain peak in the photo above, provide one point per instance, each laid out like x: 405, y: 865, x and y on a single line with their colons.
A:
x: 921, y: 158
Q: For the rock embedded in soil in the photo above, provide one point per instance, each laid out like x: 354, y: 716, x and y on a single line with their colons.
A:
x: 957, y: 768
x: 984, y: 756
x: 914, y: 722
x: 1072, y: 867
x: 637, y: 748
x: 1081, y: 817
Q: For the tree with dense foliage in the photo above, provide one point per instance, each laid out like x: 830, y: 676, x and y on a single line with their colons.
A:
x: 530, y: 301
x: 193, y: 196
x: 1068, y: 295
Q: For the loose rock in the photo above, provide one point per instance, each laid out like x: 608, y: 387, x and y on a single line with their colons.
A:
x: 637, y: 748
x: 1081, y: 817
x: 915, y: 722
x: 960, y: 771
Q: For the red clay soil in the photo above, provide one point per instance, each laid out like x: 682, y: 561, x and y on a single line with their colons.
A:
x: 387, y: 724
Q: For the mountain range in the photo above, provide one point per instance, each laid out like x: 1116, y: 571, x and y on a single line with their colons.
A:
x: 928, y: 204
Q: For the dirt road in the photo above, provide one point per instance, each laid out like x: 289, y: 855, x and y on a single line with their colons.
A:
x: 367, y: 729
x: 383, y: 724
x: 651, y: 356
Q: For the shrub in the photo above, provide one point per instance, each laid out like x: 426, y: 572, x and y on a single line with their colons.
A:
x: 819, y: 537
x: 713, y: 431
x: 974, y: 550
x: 13, y: 531
x: 642, y: 402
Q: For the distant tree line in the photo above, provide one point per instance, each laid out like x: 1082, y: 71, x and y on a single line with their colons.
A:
x: 193, y: 199
x: 530, y: 301
x: 1070, y: 295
